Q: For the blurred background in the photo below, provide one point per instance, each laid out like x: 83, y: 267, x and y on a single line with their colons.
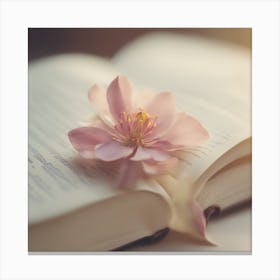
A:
x: 106, y: 42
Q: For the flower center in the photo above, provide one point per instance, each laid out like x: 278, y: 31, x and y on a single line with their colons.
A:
x: 134, y: 128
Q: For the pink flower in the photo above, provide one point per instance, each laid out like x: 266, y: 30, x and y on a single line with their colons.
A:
x: 140, y: 131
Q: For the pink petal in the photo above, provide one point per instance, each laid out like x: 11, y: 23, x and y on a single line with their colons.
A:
x: 153, y: 168
x: 86, y: 138
x: 143, y: 98
x: 119, y: 95
x: 129, y: 173
x: 163, y: 106
x: 186, y: 131
x: 112, y: 151
x: 97, y: 97
x: 146, y: 154
x: 88, y: 154
x: 199, y: 218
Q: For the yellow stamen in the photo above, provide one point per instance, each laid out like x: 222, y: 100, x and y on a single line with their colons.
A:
x: 136, y: 126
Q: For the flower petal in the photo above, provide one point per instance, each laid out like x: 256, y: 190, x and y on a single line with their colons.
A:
x: 186, y: 131
x: 143, y: 98
x: 112, y: 151
x: 97, y: 97
x: 119, y: 96
x: 163, y: 106
x: 88, y: 154
x: 154, y: 168
x: 146, y: 154
x: 86, y: 138
x: 128, y: 174
x: 199, y: 218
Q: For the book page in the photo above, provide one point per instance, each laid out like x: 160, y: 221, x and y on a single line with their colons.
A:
x: 225, y: 132
x: 213, y: 70
x: 59, y: 180
x: 58, y: 103
x: 210, y: 79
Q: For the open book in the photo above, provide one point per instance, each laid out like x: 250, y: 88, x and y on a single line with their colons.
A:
x: 73, y: 205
